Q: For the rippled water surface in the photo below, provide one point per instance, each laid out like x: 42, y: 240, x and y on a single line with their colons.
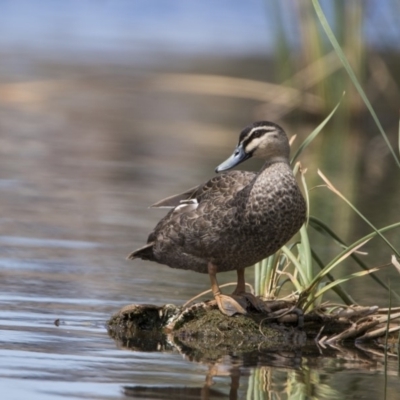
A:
x: 82, y: 156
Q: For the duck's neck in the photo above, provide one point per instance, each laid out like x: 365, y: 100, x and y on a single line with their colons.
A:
x: 274, y: 160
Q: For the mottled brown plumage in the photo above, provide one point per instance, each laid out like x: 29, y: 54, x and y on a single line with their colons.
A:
x: 236, y: 218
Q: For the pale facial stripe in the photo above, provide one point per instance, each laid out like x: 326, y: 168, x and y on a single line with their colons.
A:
x: 264, y: 127
x: 253, y: 144
x: 258, y: 128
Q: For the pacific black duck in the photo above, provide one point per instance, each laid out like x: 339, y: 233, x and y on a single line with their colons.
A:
x: 235, y: 219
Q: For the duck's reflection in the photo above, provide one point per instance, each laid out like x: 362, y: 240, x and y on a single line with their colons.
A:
x: 227, y: 366
x: 219, y: 364
x: 170, y: 392
x: 264, y: 374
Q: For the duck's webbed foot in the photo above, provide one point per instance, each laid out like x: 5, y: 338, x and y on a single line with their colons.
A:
x: 228, y: 305
x: 248, y: 298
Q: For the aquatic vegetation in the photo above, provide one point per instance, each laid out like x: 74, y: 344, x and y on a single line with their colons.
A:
x: 295, y: 263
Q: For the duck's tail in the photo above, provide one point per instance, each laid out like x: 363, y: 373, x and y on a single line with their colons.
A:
x: 145, y: 252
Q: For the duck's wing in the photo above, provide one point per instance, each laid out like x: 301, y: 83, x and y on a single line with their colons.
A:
x: 193, y: 204
x: 176, y: 199
x: 221, y: 185
x: 224, y: 186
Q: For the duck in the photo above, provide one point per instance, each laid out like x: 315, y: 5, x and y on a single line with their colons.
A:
x: 235, y: 219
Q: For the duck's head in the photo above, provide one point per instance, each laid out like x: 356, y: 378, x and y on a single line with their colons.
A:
x: 264, y: 140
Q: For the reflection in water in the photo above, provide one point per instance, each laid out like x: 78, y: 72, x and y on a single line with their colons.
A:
x: 177, y: 393
x: 267, y: 375
x: 82, y: 155
x: 233, y: 367
x: 306, y: 371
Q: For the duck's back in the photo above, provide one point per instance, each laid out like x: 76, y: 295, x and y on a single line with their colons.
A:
x: 187, y: 235
x: 233, y: 220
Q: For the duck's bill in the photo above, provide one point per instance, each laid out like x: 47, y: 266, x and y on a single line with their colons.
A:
x: 238, y: 156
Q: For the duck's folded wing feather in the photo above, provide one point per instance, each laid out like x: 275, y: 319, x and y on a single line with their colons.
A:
x: 224, y: 186
x: 219, y: 186
x: 176, y: 199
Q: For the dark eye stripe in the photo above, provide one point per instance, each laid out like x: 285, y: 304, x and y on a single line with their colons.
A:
x: 256, y: 134
x: 256, y: 130
x: 244, y: 133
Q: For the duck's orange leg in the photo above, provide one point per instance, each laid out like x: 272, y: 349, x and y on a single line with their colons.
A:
x: 240, y: 291
x: 226, y: 304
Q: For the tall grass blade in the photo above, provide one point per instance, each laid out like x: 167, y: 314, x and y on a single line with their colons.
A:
x: 347, y: 278
x: 347, y: 299
x: 324, y: 229
x: 399, y: 137
x: 319, y: 226
x: 305, y: 255
x: 398, y: 354
x: 306, y: 195
x: 334, y: 190
x: 351, y: 73
x: 315, y: 132
x: 386, y: 342
x: 265, y: 275
x: 339, y: 258
x: 272, y: 265
x: 297, y: 266
x: 257, y: 277
x: 339, y: 281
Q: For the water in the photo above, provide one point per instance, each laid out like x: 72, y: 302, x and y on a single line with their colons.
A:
x: 82, y: 156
